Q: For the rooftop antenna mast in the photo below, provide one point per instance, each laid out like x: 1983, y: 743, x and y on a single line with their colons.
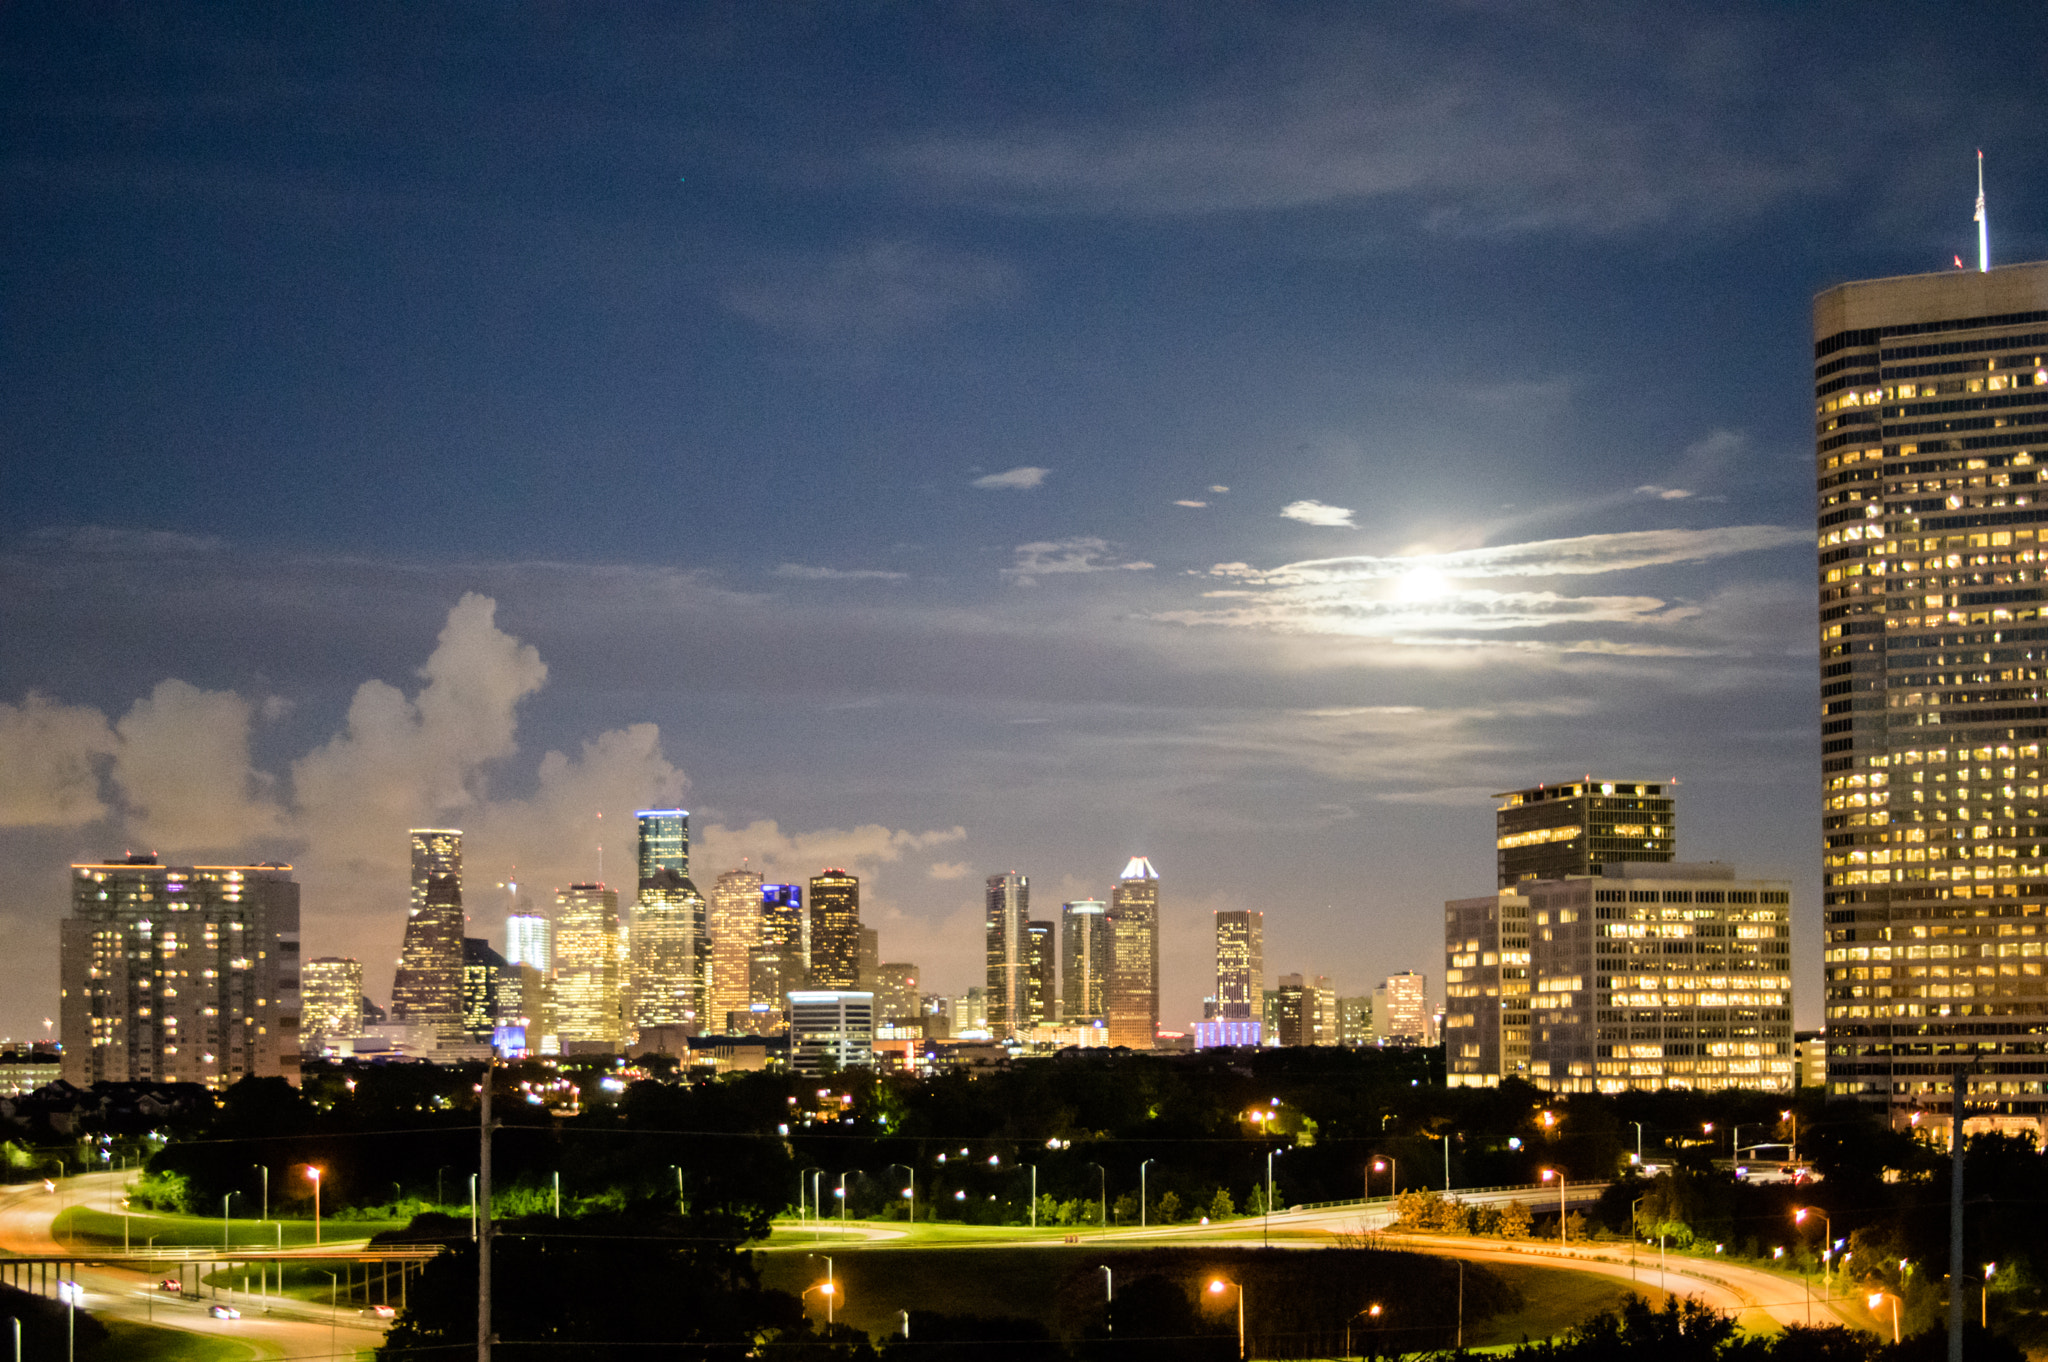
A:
x: 1983, y: 226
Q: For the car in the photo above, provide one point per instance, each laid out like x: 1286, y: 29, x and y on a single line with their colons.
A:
x: 382, y: 1311
x: 223, y: 1312
x: 170, y: 1284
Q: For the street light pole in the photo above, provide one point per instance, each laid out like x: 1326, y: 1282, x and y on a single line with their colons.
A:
x: 1142, y: 1209
x: 226, y: 1220
x: 1267, y: 1230
x: 1034, y: 1196
x: 1108, y: 1297
x: 1216, y: 1289
x: 911, y: 1191
x: 264, y: 1169
x: 1562, y: 1228
x: 1104, y: 1176
x: 314, y: 1174
x: 1393, y: 1176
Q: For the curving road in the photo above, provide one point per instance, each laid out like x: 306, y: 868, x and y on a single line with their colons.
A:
x: 295, y: 1330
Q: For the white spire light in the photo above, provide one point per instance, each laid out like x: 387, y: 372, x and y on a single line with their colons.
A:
x: 1983, y: 227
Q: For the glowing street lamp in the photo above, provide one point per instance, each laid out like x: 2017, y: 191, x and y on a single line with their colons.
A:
x: 314, y: 1174
x: 1876, y: 1300
x: 1371, y: 1312
x: 1984, y: 1300
x: 1393, y: 1176
x: 1563, y: 1229
x: 1216, y: 1286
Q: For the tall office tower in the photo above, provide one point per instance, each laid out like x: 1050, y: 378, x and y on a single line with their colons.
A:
x: 1084, y: 960
x: 870, y: 956
x: 835, y: 930
x: 1040, y: 976
x: 490, y: 984
x: 1290, y: 1013
x: 1931, y: 408
x: 1003, y: 932
x: 1240, y: 962
x: 735, y: 935
x: 781, y: 961
x: 180, y: 973
x: 1651, y: 976
x: 1324, y: 1025
x: 588, y: 965
x: 1132, y: 996
x: 671, y: 949
x: 1407, y: 1011
x: 664, y: 841
x: 530, y: 940
x: 1552, y: 831
x: 832, y: 1028
x: 331, y: 998
x: 1486, y: 989
x: 896, y: 998
x: 428, y: 988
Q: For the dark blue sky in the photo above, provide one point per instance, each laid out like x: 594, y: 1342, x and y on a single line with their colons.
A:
x: 685, y: 334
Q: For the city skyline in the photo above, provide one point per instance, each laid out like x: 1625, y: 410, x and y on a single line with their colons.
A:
x: 1257, y: 435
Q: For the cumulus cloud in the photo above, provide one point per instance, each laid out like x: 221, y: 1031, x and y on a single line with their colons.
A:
x: 50, y: 754
x: 765, y: 846
x: 804, y: 573
x: 1012, y: 480
x: 1057, y: 557
x: 873, y: 291
x: 1316, y: 513
x: 947, y: 870
x: 185, y: 774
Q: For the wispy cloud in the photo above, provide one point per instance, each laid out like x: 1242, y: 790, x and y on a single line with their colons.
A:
x: 1590, y: 553
x: 1059, y: 557
x: 1429, y: 600
x: 1664, y: 493
x: 805, y: 573
x: 868, y: 292
x: 1192, y: 505
x: 1021, y: 479
x: 1316, y: 513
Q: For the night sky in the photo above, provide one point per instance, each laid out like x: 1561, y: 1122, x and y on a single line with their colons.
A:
x: 938, y: 440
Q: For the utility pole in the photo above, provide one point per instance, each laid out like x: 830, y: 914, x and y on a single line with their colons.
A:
x: 484, y: 1338
x: 1955, y: 1217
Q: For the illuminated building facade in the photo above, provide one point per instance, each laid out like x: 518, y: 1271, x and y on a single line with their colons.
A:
x: 735, y: 936
x: 1575, y: 828
x: 1084, y: 960
x: 589, y: 963
x: 530, y: 940
x: 670, y: 947
x: 1401, y: 1009
x: 1240, y: 963
x: 331, y: 1001
x: 664, y: 842
x: 1006, y: 946
x: 1132, y: 992
x: 896, y: 998
x: 1486, y: 989
x: 1651, y: 976
x: 781, y: 960
x: 1290, y: 1011
x: 427, y: 990
x: 835, y: 931
x: 1931, y: 423
x: 490, y: 989
x: 1041, y: 950
x: 831, y: 1028
x: 180, y: 973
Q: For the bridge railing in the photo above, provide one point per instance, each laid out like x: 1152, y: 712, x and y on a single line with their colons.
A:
x: 1574, y: 1191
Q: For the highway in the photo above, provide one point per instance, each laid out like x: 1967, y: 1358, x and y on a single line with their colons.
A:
x: 295, y: 1329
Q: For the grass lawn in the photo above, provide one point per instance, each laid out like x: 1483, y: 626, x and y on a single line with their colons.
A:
x: 83, y: 1225
x: 1553, y: 1299
x: 132, y: 1342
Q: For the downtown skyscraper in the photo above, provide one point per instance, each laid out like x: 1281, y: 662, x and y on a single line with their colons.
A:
x: 1931, y: 426
x: 835, y: 930
x: 1132, y: 996
x: 1240, y: 963
x: 589, y: 990
x: 1006, y: 952
x: 1084, y: 960
x: 735, y: 936
x: 427, y: 990
x: 671, y: 953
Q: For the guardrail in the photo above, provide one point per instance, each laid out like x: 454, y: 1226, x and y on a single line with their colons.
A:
x: 1574, y: 1191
